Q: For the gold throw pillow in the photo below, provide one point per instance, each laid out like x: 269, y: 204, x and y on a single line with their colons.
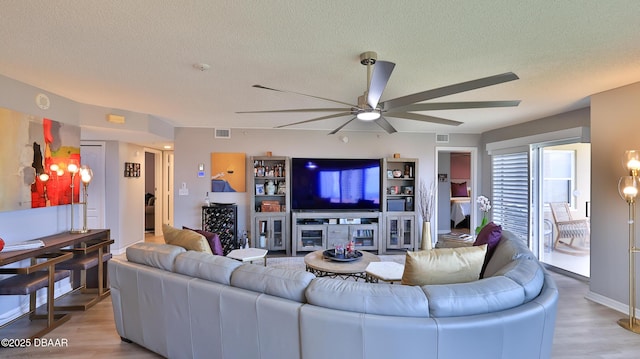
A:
x: 185, y: 238
x: 443, y: 265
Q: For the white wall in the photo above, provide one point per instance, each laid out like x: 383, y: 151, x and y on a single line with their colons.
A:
x: 195, y: 145
x: 614, y: 129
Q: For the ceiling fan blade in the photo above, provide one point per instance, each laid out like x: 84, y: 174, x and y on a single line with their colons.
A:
x: 302, y: 94
x: 457, y: 105
x: 424, y: 118
x: 340, y: 128
x: 316, y: 119
x: 381, y: 73
x: 382, y: 122
x: 300, y: 110
x: 448, y: 90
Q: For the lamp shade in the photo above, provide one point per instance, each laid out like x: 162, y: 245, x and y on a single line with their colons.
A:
x: 631, y: 161
x: 86, y: 174
x: 72, y: 168
x: 628, y: 188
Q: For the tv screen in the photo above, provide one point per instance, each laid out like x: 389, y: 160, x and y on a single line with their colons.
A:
x: 325, y: 184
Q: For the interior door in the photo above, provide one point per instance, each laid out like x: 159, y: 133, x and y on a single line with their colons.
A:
x: 93, y: 155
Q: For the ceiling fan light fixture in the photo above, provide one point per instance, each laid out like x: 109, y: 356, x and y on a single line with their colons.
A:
x: 368, y: 115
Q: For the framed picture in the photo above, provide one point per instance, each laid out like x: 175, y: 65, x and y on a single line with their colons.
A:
x: 259, y: 188
x: 131, y: 169
x: 228, y: 172
x: 389, y: 174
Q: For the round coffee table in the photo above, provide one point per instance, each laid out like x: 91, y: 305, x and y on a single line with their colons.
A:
x: 322, y: 267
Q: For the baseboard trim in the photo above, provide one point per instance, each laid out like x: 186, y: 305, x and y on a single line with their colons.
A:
x: 609, y: 303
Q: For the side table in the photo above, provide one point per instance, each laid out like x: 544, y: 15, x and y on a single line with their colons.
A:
x: 384, y: 271
x: 249, y: 255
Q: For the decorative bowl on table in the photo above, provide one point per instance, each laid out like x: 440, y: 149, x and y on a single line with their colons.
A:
x: 346, y: 257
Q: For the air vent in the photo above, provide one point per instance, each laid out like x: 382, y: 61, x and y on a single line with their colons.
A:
x: 223, y: 133
x: 442, y: 138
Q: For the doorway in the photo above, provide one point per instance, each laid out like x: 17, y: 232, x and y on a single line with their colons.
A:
x: 562, y: 195
x: 456, y: 186
x: 153, y: 199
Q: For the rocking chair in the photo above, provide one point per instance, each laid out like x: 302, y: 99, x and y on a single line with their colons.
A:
x: 576, y: 231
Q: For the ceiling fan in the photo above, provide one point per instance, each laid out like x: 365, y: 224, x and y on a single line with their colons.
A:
x: 370, y: 108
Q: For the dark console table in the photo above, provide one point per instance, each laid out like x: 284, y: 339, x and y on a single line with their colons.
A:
x: 222, y: 219
x: 57, y: 248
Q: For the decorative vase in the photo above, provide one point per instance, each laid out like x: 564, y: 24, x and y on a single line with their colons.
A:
x: 426, y: 236
x: 271, y: 188
x: 484, y: 222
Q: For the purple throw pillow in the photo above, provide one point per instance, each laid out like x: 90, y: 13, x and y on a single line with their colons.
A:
x: 212, y: 238
x: 489, y: 235
x: 459, y: 189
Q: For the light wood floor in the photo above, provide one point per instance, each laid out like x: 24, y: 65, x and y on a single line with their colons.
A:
x: 583, y: 330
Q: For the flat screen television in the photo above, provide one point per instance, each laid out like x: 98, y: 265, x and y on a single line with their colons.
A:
x: 335, y: 184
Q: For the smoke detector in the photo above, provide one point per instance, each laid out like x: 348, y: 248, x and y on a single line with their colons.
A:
x: 201, y: 66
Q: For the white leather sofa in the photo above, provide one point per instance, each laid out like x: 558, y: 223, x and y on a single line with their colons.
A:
x: 184, y: 304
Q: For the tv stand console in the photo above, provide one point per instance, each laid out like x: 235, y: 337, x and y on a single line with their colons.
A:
x: 314, y: 231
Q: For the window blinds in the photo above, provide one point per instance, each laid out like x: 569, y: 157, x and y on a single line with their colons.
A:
x: 510, y: 192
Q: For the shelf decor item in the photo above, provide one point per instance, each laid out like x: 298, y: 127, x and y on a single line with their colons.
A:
x: 270, y: 187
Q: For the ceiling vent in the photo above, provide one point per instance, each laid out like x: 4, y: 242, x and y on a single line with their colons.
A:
x: 442, y: 138
x: 223, y: 133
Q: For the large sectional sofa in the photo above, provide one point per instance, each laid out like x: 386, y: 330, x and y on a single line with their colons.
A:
x: 187, y: 304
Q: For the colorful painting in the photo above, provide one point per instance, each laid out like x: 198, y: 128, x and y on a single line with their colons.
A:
x: 37, y: 155
x: 228, y: 172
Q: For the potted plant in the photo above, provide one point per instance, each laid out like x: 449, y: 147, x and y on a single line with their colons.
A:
x: 485, y: 205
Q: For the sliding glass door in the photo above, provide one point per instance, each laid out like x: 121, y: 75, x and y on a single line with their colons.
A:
x: 561, y: 195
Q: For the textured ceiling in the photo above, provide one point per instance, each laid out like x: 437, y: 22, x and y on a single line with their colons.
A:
x: 139, y: 55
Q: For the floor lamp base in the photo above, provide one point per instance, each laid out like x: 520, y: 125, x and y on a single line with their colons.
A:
x: 625, y: 323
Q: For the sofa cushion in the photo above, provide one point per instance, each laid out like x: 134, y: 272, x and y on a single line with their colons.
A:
x: 212, y: 238
x: 279, y: 282
x: 370, y: 298
x: 489, y: 235
x: 479, y: 297
x: 206, y: 266
x: 443, y: 265
x: 526, y: 272
x: 154, y: 254
x: 509, y: 248
x: 185, y: 238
